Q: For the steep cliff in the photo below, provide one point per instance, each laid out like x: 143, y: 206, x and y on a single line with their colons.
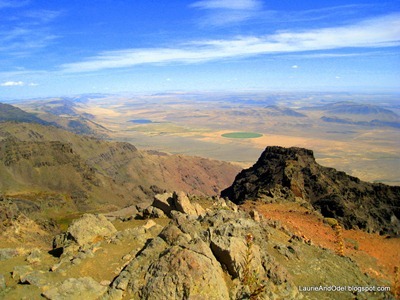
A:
x: 282, y: 174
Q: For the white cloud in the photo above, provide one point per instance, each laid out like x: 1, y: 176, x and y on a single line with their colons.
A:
x: 12, y: 83
x: 378, y: 32
x: 42, y: 15
x: 28, y: 31
x: 226, y: 12
x: 228, y: 4
x: 17, y: 83
x: 295, y: 67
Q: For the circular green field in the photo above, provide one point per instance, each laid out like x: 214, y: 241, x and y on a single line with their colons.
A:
x: 242, y: 135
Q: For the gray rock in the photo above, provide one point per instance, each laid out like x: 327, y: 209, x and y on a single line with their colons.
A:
x: 163, y: 202
x: 172, y: 235
x: 230, y: 252
x: 153, y: 212
x: 183, y: 204
x: 255, y: 215
x: 289, y: 252
x: 112, y: 294
x: 89, y: 227
x: 132, y: 277
x: 76, y: 288
x: 184, y: 273
x: 21, y: 271
x: 7, y: 253
x: 158, y: 213
x: 37, y: 278
x: 34, y: 256
x: 85, y: 230
x: 2, y: 282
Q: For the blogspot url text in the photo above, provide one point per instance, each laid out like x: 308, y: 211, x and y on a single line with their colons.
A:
x: 344, y: 288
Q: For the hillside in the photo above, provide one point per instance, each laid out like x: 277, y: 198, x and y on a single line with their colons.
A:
x: 85, y: 173
x: 292, y: 174
x: 11, y: 113
x: 184, y: 250
x: 63, y: 113
x: 348, y: 112
x: 281, y: 111
x: 352, y: 108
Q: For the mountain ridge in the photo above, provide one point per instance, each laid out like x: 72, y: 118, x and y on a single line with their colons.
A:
x: 290, y: 174
x: 10, y: 113
x: 97, y: 174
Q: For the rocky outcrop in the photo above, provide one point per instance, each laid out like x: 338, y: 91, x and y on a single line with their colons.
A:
x: 76, y: 288
x: 7, y: 253
x: 223, y: 253
x: 287, y: 174
x: 169, y: 202
x: 85, y: 230
x: 188, y: 258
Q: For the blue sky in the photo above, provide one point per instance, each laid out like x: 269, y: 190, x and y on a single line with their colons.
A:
x: 50, y: 48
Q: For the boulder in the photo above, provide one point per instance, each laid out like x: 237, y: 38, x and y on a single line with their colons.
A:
x: 21, y: 271
x: 185, y: 274
x: 178, y: 201
x: 34, y: 256
x: 76, y: 288
x: 37, y: 278
x: 153, y: 212
x: 7, y: 253
x: 163, y: 202
x: 223, y: 249
x: 85, y: 230
x: 183, y: 204
x: 174, y: 265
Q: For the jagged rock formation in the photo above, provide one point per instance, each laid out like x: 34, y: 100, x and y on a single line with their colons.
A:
x: 290, y: 173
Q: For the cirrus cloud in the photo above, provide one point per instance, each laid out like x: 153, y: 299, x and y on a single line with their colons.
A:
x: 228, y: 4
x: 378, y: 32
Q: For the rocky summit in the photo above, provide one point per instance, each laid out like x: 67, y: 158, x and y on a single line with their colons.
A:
x: 292, y: 174
x: 218, y: 251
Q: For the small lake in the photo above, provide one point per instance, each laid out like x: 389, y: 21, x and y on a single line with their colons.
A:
x: 242, y: 135
x: 141, y: 121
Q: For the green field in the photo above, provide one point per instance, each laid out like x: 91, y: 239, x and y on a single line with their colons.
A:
x: 242, y: 135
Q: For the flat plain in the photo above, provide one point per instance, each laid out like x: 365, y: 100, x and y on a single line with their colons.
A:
x: 355, y: 133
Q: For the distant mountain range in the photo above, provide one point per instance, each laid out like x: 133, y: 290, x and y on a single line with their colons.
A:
x: 373, y: 123
x: 347, y: 112
x: 277, y: 111
x: 86, y: 173
x: 352, y: 108
x: 59, y: 112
